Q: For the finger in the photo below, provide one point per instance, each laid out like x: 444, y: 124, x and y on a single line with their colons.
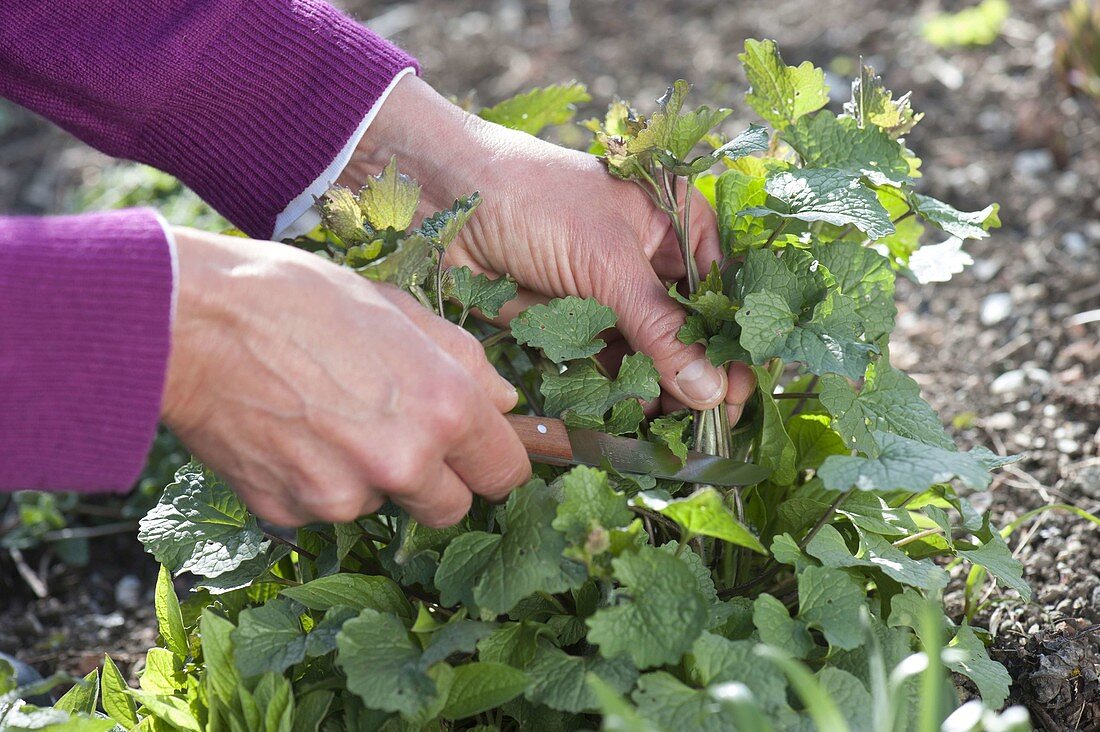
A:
x: 668, y: 260
x: 650, y: 320
x: 440, y: 502
x: 742, y: 385
x: 524, y: 299
x: 489, y: 457
x: 459, y: 344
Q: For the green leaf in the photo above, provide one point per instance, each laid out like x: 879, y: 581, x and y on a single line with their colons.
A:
x: 670, y: 704
x: 82, y: 697
x: 581, y: 395
x: 780, y: 93
x: 321, y: 639
x: 901, y: 464
x: 618, y: 714
x: 716, y: 660
x: 829, y: 547
x: 117, y: 701
x: 222, y: 679
x: 171, y: 710
x: 381, y: 663
x: 736, y: 192
x: 849, y: 694
x: 673, y: 130
x: 539, y: 108
x: 457, y: 636
x: 966, y: 655
x: 589, y: 503
x: 200, y: 526
x: 794, y: 277
x: 389, y: 199
x: 664, y: 613
x: 777, y: 628
x: 889, y: 401
x: 827, y: 342
x: 558, y: 680
x: 828, y: 599
x: 777, y: 450
x: 873, y: 104
x: 169, y: 616
x: 564, y: 329
x: 356, y: 591
x: 442, y: 227
x: 996, y: 557
x: 268, y: 638
x: 670, y: 431
x: 813, y: 440
x: 824, y: 140
x: 310, y: 710
x: 515, y: 644
x: 824, y: 194
x: 704, y: 513
x: 637, y: 379
x: 865, y: 276
x: 462, y: 564
x: 479, y: 687
x: 479, y: 292
x: 754, y: 139
x: 961, y: 224
x: 527, y: 559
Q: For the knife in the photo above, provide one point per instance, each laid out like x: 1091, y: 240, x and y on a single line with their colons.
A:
x: 549, y: 441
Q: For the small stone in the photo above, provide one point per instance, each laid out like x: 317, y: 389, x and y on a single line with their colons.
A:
x: 128, y: 592
x: 110, y: 620
x: 1037, y: 375
x: 986, y: 269
x: 1075, y: 243
x: 1033, y: 162
x: 1001, y: 421
x: 996, y: 308
x: 1067, y: 446
x: 1008, y: 382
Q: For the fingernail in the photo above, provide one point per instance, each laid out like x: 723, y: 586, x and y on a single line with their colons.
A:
x: 734, y: 412
x: 700, y: 381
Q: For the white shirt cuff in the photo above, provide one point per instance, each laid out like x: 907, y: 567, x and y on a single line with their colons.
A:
x: 173, y: 256
x: 299, y: 217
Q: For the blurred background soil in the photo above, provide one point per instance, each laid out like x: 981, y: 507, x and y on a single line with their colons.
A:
x: 1008, y: 351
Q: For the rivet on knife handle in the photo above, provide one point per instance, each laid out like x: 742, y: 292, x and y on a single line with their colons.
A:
x: 543, y: 437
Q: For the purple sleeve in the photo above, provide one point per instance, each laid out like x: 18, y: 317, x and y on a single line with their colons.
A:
x: 84, y: 323
x: 246, y: 101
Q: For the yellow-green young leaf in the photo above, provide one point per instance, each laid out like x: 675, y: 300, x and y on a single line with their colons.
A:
x: 481, y: 686
x: 340, y: 214
x: 978, y: 25
x: 274, y: 697
x: 81, y: 698
x: 357, y: 591
x: 814, y: 440
x: 704, y: 513
x: 670, y: 431
x: 163, y: 672
x: 539, y: 108
x: 117, y: 701
x: 663, y: 616
x: 735, y: 192
x: 589, y: 503
x: 222, y: 678
x: 405, y: 267
x: 389, y: 199
x: 564, y: 329
x: 874, y: 104
x: 169, y: 616
x: 173, y: 710
x: 200, y: 526
x: 674, y: 131
x: 780, y: 93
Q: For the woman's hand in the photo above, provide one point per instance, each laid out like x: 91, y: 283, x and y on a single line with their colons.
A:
x: 317, y: 394
x: 560, y: 225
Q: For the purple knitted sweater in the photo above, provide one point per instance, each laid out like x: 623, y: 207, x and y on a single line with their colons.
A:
x: 246, y: 101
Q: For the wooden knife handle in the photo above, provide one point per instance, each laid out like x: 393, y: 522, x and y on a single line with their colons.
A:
x: 546, y: 439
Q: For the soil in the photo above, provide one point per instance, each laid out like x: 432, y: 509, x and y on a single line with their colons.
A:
x: 1007, y: 351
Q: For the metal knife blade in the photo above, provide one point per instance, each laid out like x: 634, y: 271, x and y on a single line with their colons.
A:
x: 550, y: 441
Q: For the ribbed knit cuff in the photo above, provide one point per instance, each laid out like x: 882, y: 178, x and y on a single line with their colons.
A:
x: 84, y: 338
x: 268, y: 105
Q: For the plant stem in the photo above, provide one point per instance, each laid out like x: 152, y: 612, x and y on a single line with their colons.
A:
x: 795, y: 395
x: 294, y: 547
x: 778, y: 230
x: 439, y: 283
x: 918, y: 536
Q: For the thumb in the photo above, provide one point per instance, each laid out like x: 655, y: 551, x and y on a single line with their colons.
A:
x: 650, y: 320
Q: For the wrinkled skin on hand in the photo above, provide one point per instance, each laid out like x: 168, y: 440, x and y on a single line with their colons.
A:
x: 317, y: 394
x: 557, y: 222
